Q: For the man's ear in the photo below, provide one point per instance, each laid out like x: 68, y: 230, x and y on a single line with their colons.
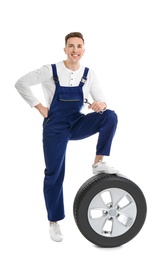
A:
x: 65, y: 50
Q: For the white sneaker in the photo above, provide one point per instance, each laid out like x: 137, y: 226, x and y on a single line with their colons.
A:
x: 103, y: 167
x: 55, y: 232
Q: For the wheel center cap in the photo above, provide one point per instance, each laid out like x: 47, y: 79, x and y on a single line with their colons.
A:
x: 112, y: 212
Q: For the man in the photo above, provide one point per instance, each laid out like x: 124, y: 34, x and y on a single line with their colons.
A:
x: 66, y: 84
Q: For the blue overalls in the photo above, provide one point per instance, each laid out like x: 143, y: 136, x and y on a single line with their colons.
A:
x: 66, y: 122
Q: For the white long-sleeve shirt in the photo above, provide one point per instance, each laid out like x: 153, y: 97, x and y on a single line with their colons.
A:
x: 67, y: 77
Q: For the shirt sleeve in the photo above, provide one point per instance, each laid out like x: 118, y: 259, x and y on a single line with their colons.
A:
x: 35, y: 77
x: 95, y: 90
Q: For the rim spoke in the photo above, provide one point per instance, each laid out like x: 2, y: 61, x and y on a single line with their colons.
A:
x: 98, y: 202
x: 117, y: 196
x: 117, y: 228
x: 129, y: 210
x: 98, y: 224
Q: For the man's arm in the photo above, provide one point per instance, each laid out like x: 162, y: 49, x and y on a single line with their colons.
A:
x: 32, y: 78
x: 43, y: 110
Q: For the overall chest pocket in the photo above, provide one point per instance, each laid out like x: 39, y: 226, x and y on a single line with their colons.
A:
x: 70, y: 94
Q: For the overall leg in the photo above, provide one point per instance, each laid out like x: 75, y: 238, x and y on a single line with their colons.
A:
x: 54, y: 152
x: 105, y: 124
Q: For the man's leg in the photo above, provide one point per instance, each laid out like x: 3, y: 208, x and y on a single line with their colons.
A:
x: 54, y: 153
x: 105, y: 124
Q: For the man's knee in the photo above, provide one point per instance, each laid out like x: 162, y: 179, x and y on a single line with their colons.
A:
x: 112, y: 116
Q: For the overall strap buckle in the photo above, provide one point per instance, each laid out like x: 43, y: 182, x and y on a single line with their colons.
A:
x: 55, y: 79
x: 84, y: 77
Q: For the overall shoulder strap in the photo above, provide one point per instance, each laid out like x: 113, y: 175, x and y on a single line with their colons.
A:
x: 55, y: 77
x: 84, y: 77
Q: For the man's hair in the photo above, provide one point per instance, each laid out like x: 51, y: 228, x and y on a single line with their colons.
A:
x: 73, y: 34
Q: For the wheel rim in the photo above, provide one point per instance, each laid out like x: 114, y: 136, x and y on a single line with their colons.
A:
x: 112, y: 212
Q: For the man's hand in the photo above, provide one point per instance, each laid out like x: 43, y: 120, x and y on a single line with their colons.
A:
x: 97, y: 106
x: 43, y: 110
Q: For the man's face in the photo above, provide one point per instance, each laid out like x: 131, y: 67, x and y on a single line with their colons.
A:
x: 74, y: 49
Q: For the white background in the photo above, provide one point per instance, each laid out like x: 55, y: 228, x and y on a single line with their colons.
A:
x: 125, y: 46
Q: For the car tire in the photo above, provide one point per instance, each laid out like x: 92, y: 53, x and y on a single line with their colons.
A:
x: 109, y: 210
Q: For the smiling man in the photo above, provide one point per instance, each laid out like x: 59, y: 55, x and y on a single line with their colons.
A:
x: 74, y: 49
x: 66, y: 85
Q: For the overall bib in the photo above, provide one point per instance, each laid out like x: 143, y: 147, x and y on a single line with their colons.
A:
x: 66, y: 122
